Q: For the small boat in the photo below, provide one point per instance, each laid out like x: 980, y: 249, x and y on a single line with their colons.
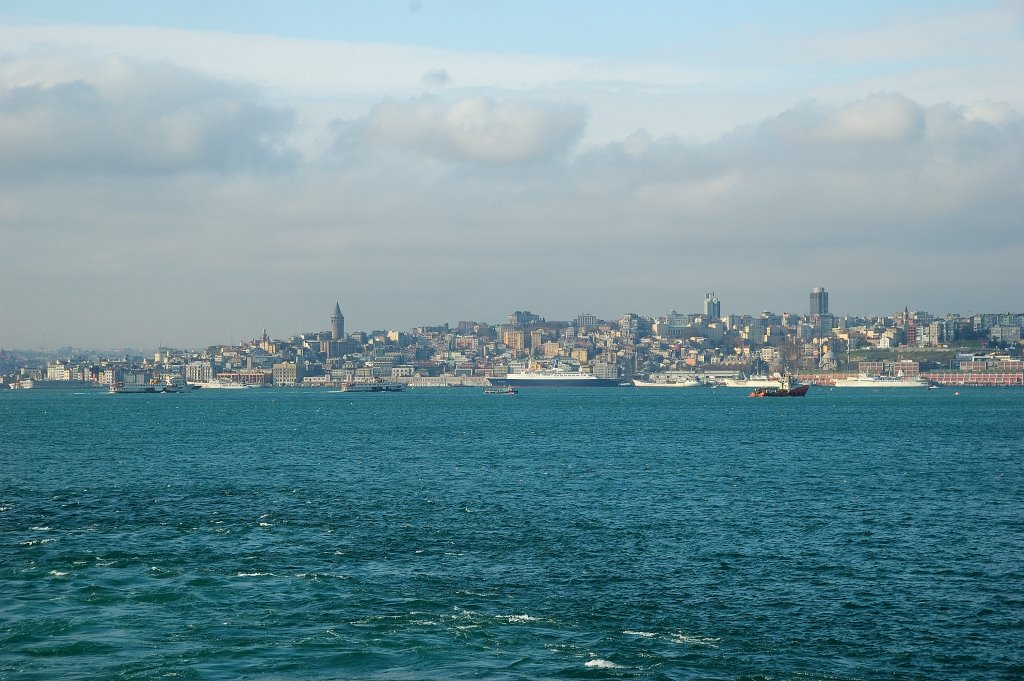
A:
x: 500, y: 390
x: 787, y: 388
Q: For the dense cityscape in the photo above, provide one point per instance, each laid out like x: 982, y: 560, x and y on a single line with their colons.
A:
x: 818, y: 347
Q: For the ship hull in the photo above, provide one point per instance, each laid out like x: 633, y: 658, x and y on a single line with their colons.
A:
x: 798, y: 391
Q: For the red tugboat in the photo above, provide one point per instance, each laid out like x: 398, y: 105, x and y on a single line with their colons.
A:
x: 787, y: 388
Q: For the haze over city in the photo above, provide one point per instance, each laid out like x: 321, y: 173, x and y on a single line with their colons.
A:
x: 183, y: 175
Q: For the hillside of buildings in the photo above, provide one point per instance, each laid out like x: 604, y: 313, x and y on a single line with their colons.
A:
x: 981, y: 349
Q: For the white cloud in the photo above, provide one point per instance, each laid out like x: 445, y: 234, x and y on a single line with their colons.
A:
x: 469, y: 128
x: 138, y: 117
x: 879, y: 118
x: 611, y: 185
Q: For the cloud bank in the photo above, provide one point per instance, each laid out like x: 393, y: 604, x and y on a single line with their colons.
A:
x: 187, y: 208
x: 470, y: 129
x: 137, y: 118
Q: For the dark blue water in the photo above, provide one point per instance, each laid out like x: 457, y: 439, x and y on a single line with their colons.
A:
x: 437, y: 534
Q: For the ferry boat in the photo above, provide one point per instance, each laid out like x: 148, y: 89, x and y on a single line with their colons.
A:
x: 869, y: 381
x: 132, y: 388
x: 171, y: 384
x: 176, y: 384
x: 500, y: 390
x: 374, y: 387
x: 554, y: 378
x: 223, y: 384
x: 787, y: 387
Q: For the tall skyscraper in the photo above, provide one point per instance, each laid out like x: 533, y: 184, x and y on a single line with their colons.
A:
x: 712, y: 306
x: 819, y: 301
x: 337, y: 323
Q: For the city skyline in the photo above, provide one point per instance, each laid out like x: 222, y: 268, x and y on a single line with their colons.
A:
x: 710, y: 311
x: 182, y: 175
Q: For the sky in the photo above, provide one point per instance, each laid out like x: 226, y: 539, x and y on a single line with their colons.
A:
x: 191, y: 173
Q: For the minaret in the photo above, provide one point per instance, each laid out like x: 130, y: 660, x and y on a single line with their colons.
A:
x: 337, y: 323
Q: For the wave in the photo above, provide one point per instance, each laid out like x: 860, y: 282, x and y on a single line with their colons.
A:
x: 685, y: 639
x: 522, y: 618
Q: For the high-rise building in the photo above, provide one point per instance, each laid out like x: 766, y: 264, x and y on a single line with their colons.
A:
x: 712, y: 306
x: 337, y: 323
x: 819, y: 301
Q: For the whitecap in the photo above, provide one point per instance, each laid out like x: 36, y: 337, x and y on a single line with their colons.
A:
x: 265, y: 525
x: 641, y: 634
x: 57, y: 573
x: 35, y: 542
x: 253, y: 574
x: 522, y: 618
x: 44, y: 528
x: 598, y: 663
x: 695, y: 640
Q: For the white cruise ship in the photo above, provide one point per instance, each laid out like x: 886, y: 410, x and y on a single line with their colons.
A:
x: 670, y: 380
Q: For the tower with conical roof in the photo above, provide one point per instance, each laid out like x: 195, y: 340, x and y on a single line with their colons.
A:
x: 337, y: 323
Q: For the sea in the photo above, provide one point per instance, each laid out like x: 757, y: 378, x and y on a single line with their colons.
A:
x: 604, y: 533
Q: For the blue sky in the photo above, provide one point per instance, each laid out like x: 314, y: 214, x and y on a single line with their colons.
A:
x: 440, y: 161
x: 567, y: 27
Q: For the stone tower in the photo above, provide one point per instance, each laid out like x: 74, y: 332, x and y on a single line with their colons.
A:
x: 337, y: 323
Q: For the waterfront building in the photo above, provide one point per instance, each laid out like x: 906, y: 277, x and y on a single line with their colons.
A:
x: 58, y: 371
x: 199, y: 372
x: 287, y: 373
x: 606, y: 370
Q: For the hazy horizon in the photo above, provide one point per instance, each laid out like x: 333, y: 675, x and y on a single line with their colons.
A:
x: 180, y: 175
